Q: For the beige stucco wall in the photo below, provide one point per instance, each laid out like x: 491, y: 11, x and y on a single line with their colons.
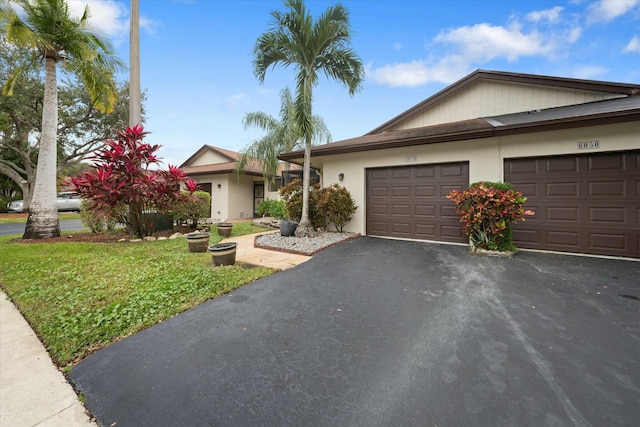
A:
x: 234, y: 198
x: 485, y: 156
x: 208, y: 157
x: 491, y: 98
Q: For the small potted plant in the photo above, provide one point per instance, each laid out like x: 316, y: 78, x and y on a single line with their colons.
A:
x: 223, y: 253
x: 287, y: 227
x: 198, y: 241
x: 224, y: 229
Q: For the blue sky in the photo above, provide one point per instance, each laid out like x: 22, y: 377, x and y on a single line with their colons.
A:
x: 196, y: 57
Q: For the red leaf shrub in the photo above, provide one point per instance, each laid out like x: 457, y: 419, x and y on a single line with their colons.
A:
x: 487, y: 213
x: 122, y: 177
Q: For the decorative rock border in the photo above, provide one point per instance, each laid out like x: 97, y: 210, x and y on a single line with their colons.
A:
x: 152, y: 238
x: 301, y: 252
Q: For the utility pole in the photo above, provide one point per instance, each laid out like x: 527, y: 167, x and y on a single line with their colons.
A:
x: 134, y: 65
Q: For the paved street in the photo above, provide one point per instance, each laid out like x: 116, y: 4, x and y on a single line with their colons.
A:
x: 18, y: 227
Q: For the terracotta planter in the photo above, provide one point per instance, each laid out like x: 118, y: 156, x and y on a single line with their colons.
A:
x: 224, y: 229
x: 198, y: 242
x: 223, y: 253
x: 287, y: 227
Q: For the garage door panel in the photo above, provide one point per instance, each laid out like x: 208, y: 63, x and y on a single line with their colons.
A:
x: 453, y: 170
x: 563, y: 214
x: 425, y: 231
x: 603, y: 162
x: 401, y: 173
x: 403, y: 210
x: 378, y: 209
x: 426, y: 210
x: 446, y: 189
x: 526, y: 235
x: 425, y: 191
x: 561, y: 164
x: 377, y: 191
x: 561, y: 189
x: 402, y: 228
x: 425, y: 171
x: 378, y: 174
x: 379, y: 227
x: 607, y: 188
x: 522, y: 166
x: 608, y: 215
x: 398, y: 191
x: 567, y: 239
x: 608, y: 241
x: 531, y: 189
x: 583, y: 203
x: 449, y: 211
x: 452, y: 233
x: 415, y: 200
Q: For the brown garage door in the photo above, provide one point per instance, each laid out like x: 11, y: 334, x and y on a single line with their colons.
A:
x: 584, y: 203
x: 409, y: 202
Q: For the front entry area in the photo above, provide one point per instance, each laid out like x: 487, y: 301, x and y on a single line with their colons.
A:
x: 583, y: 203
x: 409, y: 201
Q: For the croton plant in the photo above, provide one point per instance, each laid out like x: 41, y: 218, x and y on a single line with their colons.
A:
x: 487, y: 211
x: 122, y: 177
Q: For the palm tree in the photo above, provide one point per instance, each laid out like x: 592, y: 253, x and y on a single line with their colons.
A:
x: 311, y: 47
x: 57, y: 38
x: 281, y: 136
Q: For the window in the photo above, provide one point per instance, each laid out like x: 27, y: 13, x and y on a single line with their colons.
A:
x: 275, y: 184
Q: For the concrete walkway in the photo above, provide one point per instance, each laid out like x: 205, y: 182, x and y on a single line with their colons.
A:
x: 246, y: 252
x: 33, y: 392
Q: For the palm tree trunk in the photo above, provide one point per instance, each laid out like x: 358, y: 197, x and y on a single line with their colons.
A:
x: 43, y: 219
x: 305, y: 228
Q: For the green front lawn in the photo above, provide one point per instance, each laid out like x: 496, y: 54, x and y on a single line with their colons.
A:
x: 79, y: 297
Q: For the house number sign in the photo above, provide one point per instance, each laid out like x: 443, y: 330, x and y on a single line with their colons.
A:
x: 589, y: 145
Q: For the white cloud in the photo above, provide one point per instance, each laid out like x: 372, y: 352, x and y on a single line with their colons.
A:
x: 608, y: 10
x: 108, y: 16
x: 234, y: 100
x: 471, y: 45
x: 633, y: 46
x: 589, y: 71
x: 550, y: 15
x: 484, y: 42
x: 420, y: 72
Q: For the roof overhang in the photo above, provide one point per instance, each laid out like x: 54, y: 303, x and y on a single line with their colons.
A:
x: 460, y: 131
x: 621, y: 89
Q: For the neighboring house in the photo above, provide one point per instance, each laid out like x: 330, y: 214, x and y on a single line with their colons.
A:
x: 571, y: 146
x: 233, y: 196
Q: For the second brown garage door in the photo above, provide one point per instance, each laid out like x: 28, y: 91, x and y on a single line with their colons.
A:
x: 583, y: 203
x: 409, y: 201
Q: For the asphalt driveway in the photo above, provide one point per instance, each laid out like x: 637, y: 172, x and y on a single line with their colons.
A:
x: 380, y: 332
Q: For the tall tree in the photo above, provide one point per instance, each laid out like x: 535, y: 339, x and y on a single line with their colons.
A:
x: 57, y: 38
x: 282, y: 135
x: 311, y: 47
x: 81, y: 127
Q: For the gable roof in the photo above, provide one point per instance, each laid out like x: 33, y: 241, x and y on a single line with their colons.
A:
x: 610, y: 111
x: 621, y: 89
x: 231, y: 155
x: 253, y: 167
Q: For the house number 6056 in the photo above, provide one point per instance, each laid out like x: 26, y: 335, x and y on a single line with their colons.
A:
x: 588, y: 145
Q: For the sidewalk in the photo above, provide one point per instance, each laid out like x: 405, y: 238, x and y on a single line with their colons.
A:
x: 32, y: 390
